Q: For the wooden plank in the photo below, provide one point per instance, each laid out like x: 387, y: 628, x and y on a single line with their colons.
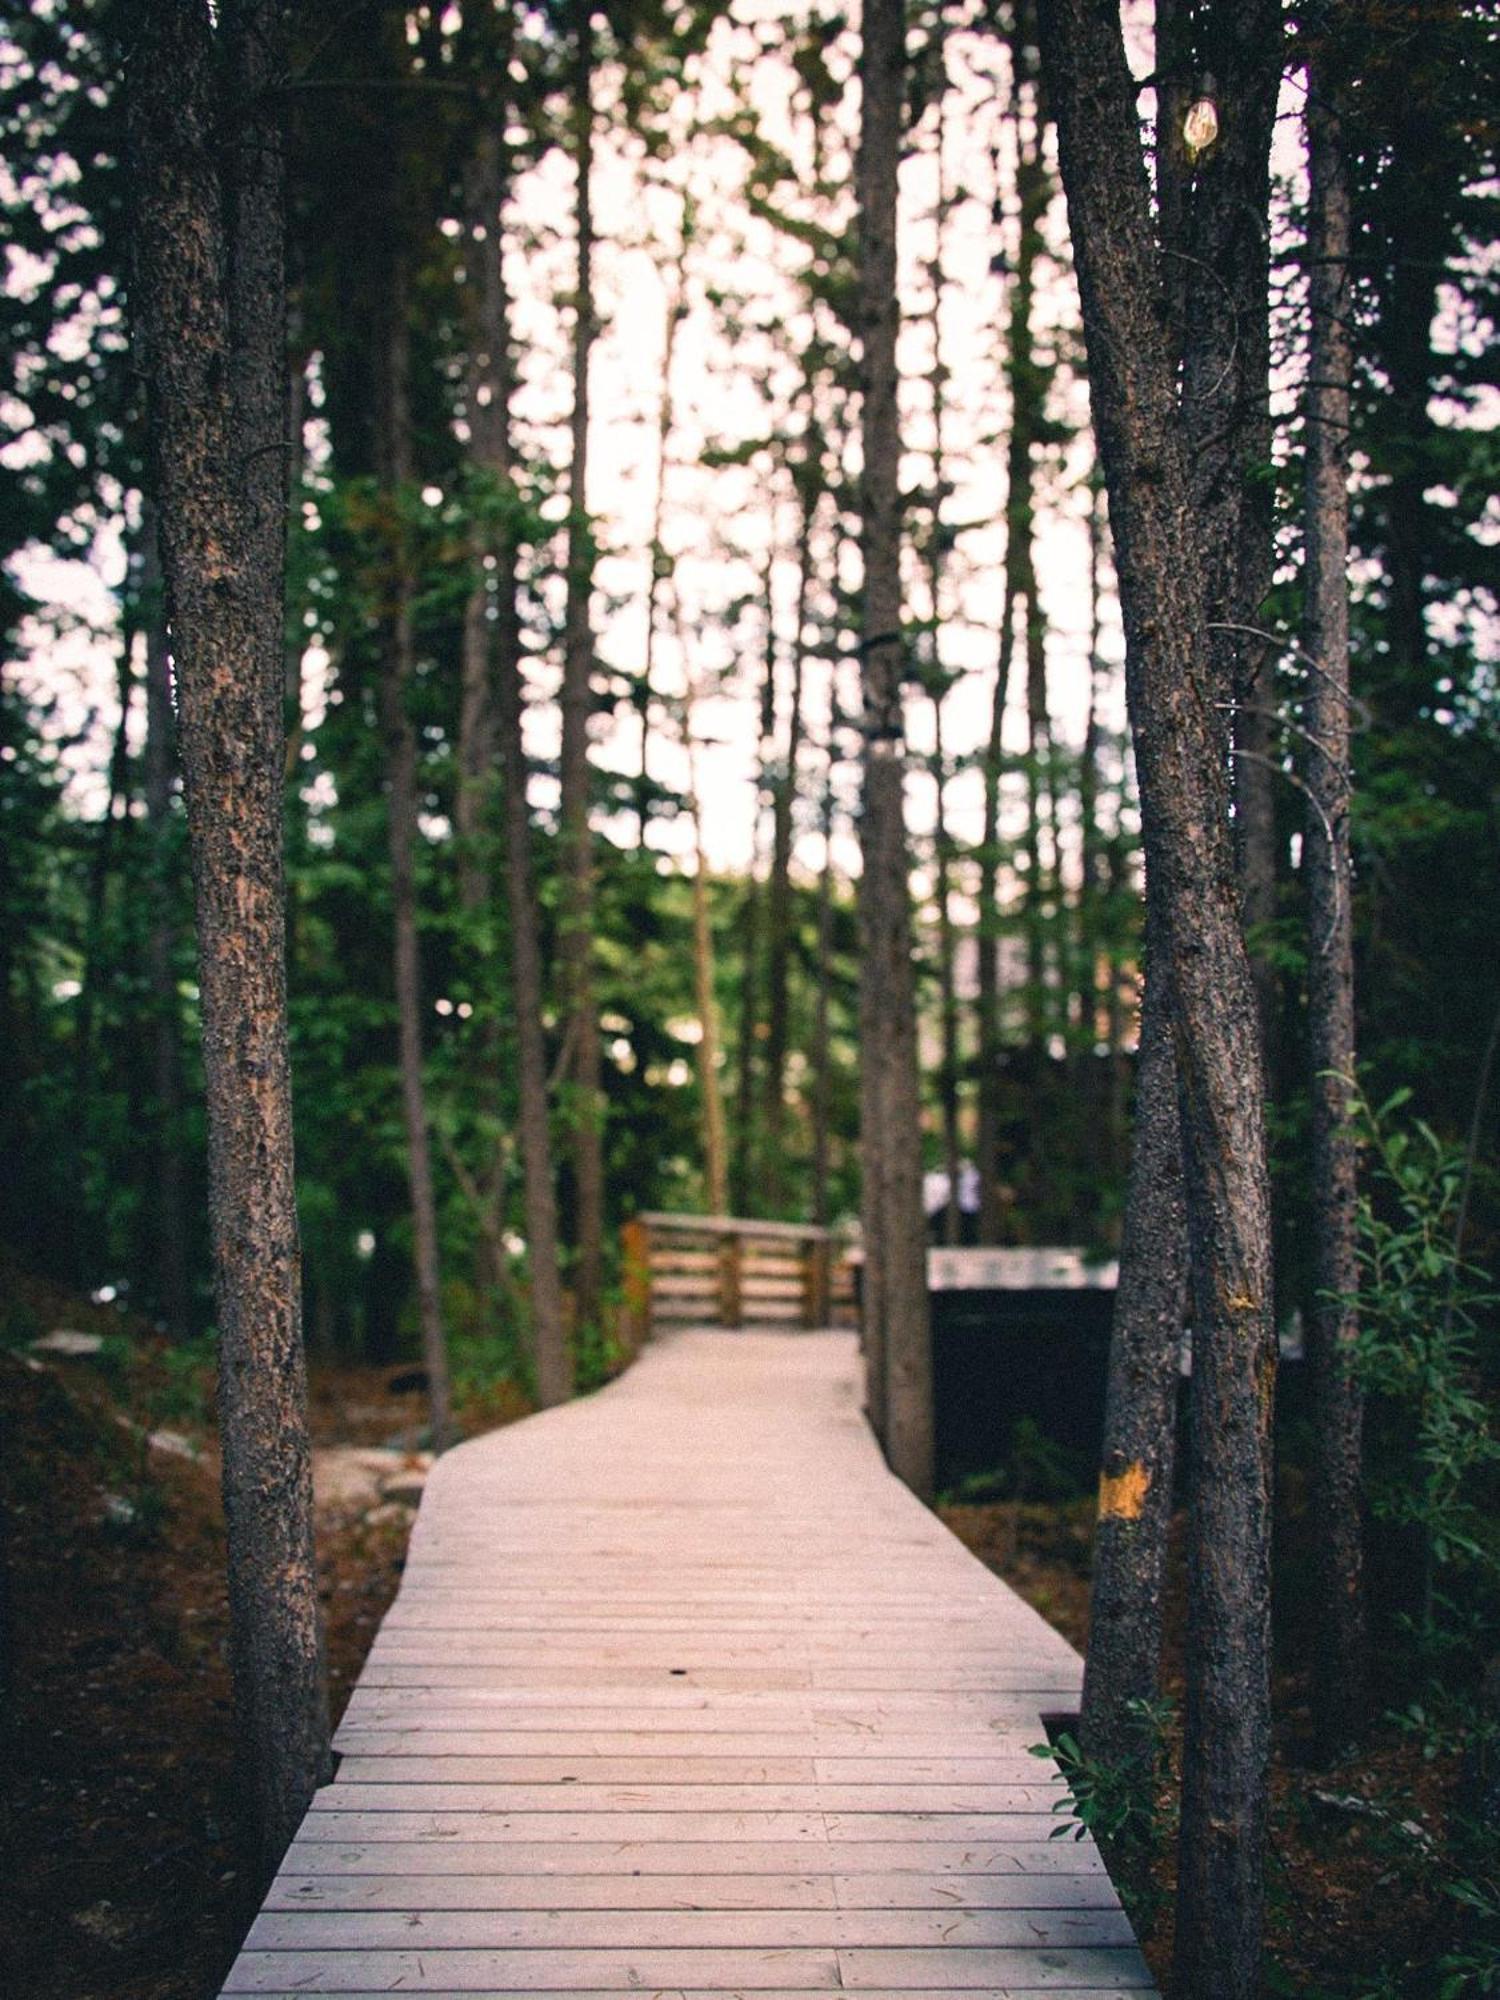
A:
x: 583, y: 1892
x: 563, y: 1971
x: 837, y: 1756
x: 457, y: 1760
x: 739, y: 1891
x: 423, y: 1790
x: 435, y: 1854
x: 553, y: 1971
x: 735, y: 1225
x: 957, y: 1971
x: 368, y: 1929
x: 413, y: 1760
x: 389, y: 1822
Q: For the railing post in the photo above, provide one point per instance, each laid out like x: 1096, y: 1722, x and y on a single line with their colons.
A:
x: 731, y: 1270
x: 815, y: 1304
x: 635, y: 1271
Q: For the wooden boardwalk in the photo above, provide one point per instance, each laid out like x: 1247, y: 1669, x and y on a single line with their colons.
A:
x: 684, y: 1695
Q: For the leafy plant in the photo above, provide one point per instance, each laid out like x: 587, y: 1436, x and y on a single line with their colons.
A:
x: 1127, y: 1805
x: 1418, y: 1351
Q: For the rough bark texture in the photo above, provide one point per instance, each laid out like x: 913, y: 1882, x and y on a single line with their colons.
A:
x: 895, y: 1236
x: 575, y: 940
x: 398, y: 660
x: 1140, y: 1413
x: 1166, y: 602
x: 1340, y: 1671
x: 209, y: 307
x: 1212, y: 236
x: 1215, y: 243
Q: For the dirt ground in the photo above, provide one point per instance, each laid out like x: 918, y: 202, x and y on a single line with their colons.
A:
x: 122, y: 1872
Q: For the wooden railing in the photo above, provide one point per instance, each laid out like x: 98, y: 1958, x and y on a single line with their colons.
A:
x: 699, y: 1270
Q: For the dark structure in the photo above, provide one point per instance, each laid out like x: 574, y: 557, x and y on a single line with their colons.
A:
x: 1017, y: 1334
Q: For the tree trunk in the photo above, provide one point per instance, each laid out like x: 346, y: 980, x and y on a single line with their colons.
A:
x: 1215, y: 241
x: 779, y: 886
x: 947, y: 982
x: 1167, y: 606
x: 102, y: 848
x: 161, y: 969
x: 1038, y: 786
x: 748, y: 1149
x: 661, y: 562
x: 822, y: 1049
x: 398, y: 661
x: 936, y: 566
x: 209, y: 304
x: 991, y: 1207
x: 488, y: 386
x: 1340, y: 1665
x: 494, y: 693
x: 576, y: 942
x: 1027, y: 382
x: 715, y: 1149
x: 1091, y: 867
x: 895, y: 1236
x: 554, y: 1363
x: 1123, y: 1662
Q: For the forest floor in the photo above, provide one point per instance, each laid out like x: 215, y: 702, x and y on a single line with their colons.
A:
x: 123, y: 1878
x: 122, y: 1875
x: 1360, y: 1903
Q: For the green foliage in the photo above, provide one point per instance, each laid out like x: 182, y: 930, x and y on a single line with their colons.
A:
x: 1419, y: 1305
x: 1128, y: 1806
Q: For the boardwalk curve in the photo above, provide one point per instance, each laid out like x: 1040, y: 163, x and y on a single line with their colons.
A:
x: 685, y: 1695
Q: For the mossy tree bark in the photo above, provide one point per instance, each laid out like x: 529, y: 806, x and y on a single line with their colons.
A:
x: 209, y: 307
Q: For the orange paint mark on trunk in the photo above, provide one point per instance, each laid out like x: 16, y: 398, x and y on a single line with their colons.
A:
x: 1122, y: 1495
